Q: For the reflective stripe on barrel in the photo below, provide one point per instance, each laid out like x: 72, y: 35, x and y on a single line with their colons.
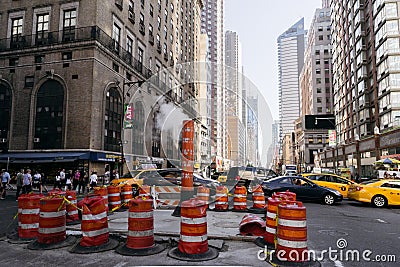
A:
x: 28, y: 215
x: 52, y: 219
x: 193, y: 236
x: 140, y: 224
x: 126, y: 193
x: 292, y: 231
x: 102, y: 191
x: 94, y: 225
x: 239, y: 198
x: 114, y: 196
x: 221, y: 198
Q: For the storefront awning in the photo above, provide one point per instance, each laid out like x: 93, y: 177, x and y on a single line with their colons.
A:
x: 43, y: 157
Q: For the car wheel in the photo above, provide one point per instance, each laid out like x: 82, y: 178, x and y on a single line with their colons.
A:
x: 329, y: 199
x: 379, y: 201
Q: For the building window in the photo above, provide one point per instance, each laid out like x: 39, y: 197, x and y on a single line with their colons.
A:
x: 16, y: 31
x: 66, y: 55
x: 318, y: 71
x: 116, y: 36
x: 140, y: 59
x: 113, y: 121
x: 5, y: 114
x: 142, y: 3
x: 131, y: 12
x: 129, y: 45
x: 49, y: 116
x: 319, y: 100
x: 318, y: 80
x: 12, y: 62
x: 317, y: 52
x: 29, y: 81
x: 42, y: 29
x: 69, y: 24
x: 321, y: 37
x: 317, y: 61
x: 319, y: 109
x: 151, y: 10
x: 115, y: 67
x: 158, y: 23
x: 319, y: 90
x: 39, y: 59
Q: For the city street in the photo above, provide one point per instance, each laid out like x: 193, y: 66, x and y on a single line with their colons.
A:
x: 362, y: 227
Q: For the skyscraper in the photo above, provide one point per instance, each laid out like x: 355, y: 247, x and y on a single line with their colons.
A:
x: 290, y: 60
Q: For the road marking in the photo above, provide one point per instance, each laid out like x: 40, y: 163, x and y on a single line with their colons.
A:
x: 121, y: 264
x: 380, y: 220
x: 338, y: 264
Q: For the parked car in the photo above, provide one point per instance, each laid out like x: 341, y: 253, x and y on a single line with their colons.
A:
x: 333, y: 181
x: 305, y: 189
x: 379, y: 193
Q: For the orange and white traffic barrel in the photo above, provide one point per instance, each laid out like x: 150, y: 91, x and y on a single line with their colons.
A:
x: 102, y: 191
x: 292, y: 232
x: 240, y: 198
x: 28, y: 215
x: 203, y: 193
x: 56, y: 192
x: 140, y: 241
x: 286, y: 195
x: 221, y: 198
x: 52, y: 221
x: 193, y: 242
x: 126, y: 194
x: 258, y: 198
x: 252, y: 224
x: 114, y: 197
x: 72, y: 209
x: 94, y: 225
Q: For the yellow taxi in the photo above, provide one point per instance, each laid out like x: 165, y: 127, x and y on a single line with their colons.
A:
x: 223, y: 177
x: 379, y: 193
x: 332, y: 181
x: 133, y: 177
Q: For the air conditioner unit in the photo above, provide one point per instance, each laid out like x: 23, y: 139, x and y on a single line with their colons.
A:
x: 36, y: 140
x: 3, y: 140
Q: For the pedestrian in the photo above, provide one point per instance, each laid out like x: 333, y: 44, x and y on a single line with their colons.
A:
x: 37, y: 181
x: 116, y: 174
x: 93, y: 180
x: 20, y: 182
x: 44, y: 182
x: 68, y: 180
x: 76, y: 179
x: 82, y: 185
x: 62, y: 177
x: 5, y: 180
x: 57, y: 182
x: 27, y: 184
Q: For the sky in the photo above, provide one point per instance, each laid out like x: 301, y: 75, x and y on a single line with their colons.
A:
x: 258, y: 24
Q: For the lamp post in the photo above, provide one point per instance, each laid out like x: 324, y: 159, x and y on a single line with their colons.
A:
x: 124, y: 94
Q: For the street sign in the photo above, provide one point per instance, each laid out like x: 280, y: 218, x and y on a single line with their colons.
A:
x: 332, y: 137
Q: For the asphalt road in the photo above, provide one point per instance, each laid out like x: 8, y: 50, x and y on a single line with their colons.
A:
x: 346, y: 230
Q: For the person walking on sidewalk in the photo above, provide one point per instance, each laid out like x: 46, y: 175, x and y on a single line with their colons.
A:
x: 68, y: 180
x: 76, y: 180
x: 20, y: 182
x: 93, y: 180
x: 62, y: 177
x: 37, y: 181
x: 44, y: 183
x: 27, y: 185
x: 5, y: 179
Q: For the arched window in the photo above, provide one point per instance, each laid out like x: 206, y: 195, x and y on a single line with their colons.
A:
x: 5, y: 115
x: 49, y: 116
x: 138, y: 129
x: 113, y: 121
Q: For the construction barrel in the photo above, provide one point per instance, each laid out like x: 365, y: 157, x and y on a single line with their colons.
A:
x: 221, y: 198
x: 52, y: 221
x: 240, y: 198
x: 114, y: 197
x: 28, y: 215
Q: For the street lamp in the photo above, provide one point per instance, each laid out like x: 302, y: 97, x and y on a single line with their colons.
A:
x: 124, y: 94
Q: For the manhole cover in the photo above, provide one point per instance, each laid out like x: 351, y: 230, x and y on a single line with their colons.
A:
x: 333, y: 232
x: 226, y: 225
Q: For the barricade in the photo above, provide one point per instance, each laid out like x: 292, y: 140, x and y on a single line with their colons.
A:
x: 193, y: 243
x: 102, y: 191
x: 52, y: 224
x: 203, y: 193
x: 240, y: 199
x: 140, y: 241
x: 258, y: 198
x: 252, y: 225
x: 114, y: 197
x: 126, y: 195
x: 292, y: 232
x: 221, y: 199
x: 144, y: 191
x: 94, y: 227
x: 28, y: 218
x: 167, y: 196
x: 72, y: 209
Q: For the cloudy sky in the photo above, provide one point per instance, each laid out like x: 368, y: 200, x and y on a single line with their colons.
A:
x: 259, y: 23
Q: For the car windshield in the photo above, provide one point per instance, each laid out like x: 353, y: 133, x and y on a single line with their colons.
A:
x: 130, y: 174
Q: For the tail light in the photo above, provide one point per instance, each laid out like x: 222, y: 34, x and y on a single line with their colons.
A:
x: 237, y: 178
x: 359, y: 188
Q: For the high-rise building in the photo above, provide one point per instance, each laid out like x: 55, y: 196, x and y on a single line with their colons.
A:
x: 233, y: 84
x: 69, y: 68
x: 291, y: 46
x: 366, y: 75
x: 213, y: 25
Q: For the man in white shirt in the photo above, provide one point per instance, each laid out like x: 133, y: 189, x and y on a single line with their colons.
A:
x: 93, y: 180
